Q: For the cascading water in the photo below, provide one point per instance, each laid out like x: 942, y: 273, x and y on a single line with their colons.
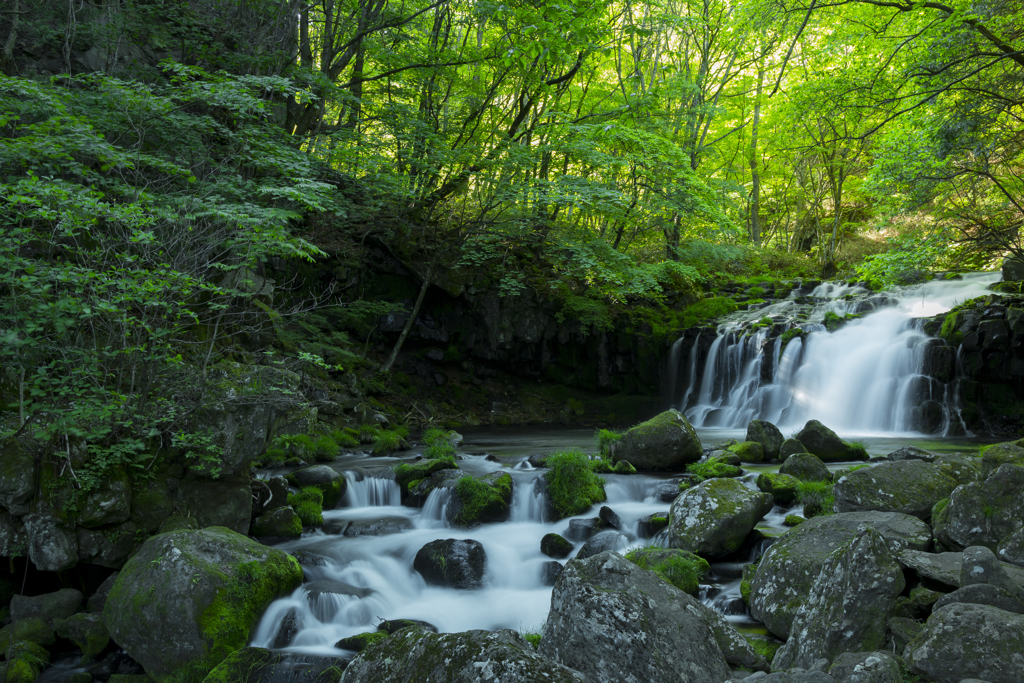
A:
x: 867, y: 377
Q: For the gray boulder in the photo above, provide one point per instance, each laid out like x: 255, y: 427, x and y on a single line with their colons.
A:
x: 52, y: 546
x: 109, y: 547
x: 1011, y: 548
x: 713, y: 518
x: 982, y: 594
x: 867, y: 667
x: 87, y: 632
x: 790, y: 447
x: 768, y: 435
x: 911, y: 453
x: 599, y: 543
x: 188, y: 598
x: 945, y: 568
x: 908, y: 486
x: 278, y: 525
x: 48, y: 607
x: 327, y: 479
x: 902, y: 630
x: 18, y: 474
x: 983, y: 512
x: 980, y: 566
x: 790, y: 566
x: 963, y: 641
x: 415, y: 654
x: 806, y: 467
x: 111, y: 503
x: 826, y: 444
x: 849, y: 604
x: 452, y: 562
x: 665, y: 442
x: 608, y: 616
x: 1010, y: 453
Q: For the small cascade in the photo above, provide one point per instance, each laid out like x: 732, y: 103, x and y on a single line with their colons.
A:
x: 528, y: 502
x: 868, y: 376
x: 435, y: 509
x: 371, y: 491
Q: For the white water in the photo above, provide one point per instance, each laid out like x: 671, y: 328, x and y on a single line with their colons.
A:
x: 863, y: 379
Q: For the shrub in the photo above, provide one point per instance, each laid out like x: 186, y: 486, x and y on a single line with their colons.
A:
x: 605, y: 439
x: 572, y: 484
x: 344, y: 439
x: 386, y: 442
x: 532, y: 639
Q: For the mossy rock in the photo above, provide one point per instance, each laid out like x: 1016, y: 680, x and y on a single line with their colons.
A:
x: 665, y: 442
x: 481, y: 500
x: 748, y: 451
x: 187, y: 599
x: 256, y: 665
x: 783, y: 487
x: 805, y: 467
x: 25, y: 660
x: 623, y: 467
x: 713, y: 518
x: 789, y: 447
x: 360, y: 642
x: 407, y: 472
x: 826, y: 444
x: 681, y: 568
x: 33, y: 629
x: 87, y: 631
x: 793, y: 520
x: 556, y: 546
x: 330, y: 482
x: 712, y: 469
x: 278, y: 525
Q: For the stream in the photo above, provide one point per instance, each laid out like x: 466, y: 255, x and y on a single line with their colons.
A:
x: 867, y: 397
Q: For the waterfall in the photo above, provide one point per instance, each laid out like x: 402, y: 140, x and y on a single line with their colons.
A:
x: 371, y: 492
x: 867, y: 377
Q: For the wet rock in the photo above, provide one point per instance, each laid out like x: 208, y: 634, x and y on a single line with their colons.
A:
x: 393, y: 626
x: 1011, y: 548
x: 782, y: 487
x: 277, y: 526
x: 420, y: 490
x: 451, y: 562
x: 18, y: 473
x: 549, y: 572
x: 768, y: 435
x: 609, y: 518
x: 490, y: 500
x: 867, y: 667
x: 52, y: 546
x: 290, y: 626
x: 791, y: 447
x: 945, y: 568
x: 982, y: 594
x: 668, y: 492
x: 665, y: 442
x: 983, y: 512
x: 315, y: 589
x: 582, y: 529
x: 826, y: 444
x: 748, y: 451
x: 911, y: 453
x: 48, y: 607
x: 649, y: 525
x: 969, y: 641
x: 361, y: 641
x: 278, y: 494
x: 908, y: 486
x: 555, y: 546
x: 902, y: 630
x: 608, y: 616
x: 88, y: 633
x: 418, y: 655
x: 713, y: 518
x: 790, y: 566
x: 329, y: 480
x: 152, y: 610
x: 308, y: 558
x: 377, y: 527
x: 257, y: 665
x: 599, y: 543
x: 806, y: 467
x: 849, y: 602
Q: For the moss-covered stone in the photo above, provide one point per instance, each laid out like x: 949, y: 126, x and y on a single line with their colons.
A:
x: 624, y: 467
x: 87, y: 631
x: 713, y: 518
x: 360, y: 642
x: 748, y: 451
x: 793, y: 520
x: 554, y: 545
x: 330, y: 482
x: 783, y: 487
x: 712, y: 469
x: 407, y: 472
x: 24, y: 662
x: 826, y: 444
x: 255, y: 665
x: 681, y: 568
x: 665, y: 442
x: 278, y: 525
x: 481, y: 500
x: 908, y: 486
x: 188, y: 598
x: 33, y: 629
x: 572, y: 485
x: 18, y: 475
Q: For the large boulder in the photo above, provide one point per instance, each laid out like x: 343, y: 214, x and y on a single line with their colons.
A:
x: 111, y: 503
x: 966, y: 641
x: 451, y: 562
x: 87, y: 632
x: 608, y: 617
x: 908, y: 486
x: 768, y: 435
x: 1011, y: 548
x: 1010, y: 453
x: 415, y: 654
x: 277, y: 526
x: 983, y: 512
x: 329, y: 480
x: 713, y: 518
x: 849, y: 604
x: 18, y: 474
x: 226, y: 502
x: 806, y: 467
x: 52, y: 545
x: 867, y: 667
x: 826, y: 444
x: 188, y: 598
x: 747, y: 451
x: 788, y: 569
x: 49, y: 607
x: 665, y: 442
x: 947, y: 568
x: 782, y: 487
x: 481, y: 500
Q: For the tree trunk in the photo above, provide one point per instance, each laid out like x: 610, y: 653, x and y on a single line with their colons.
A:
x: 755, y: 176
x: 412, y: 318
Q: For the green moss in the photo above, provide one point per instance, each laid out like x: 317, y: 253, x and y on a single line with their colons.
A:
x: 713, y: 470
x: 624, y: 467
x: 361, y: 641
x: 438, y: 444
x: 605, y: 439
x: 705, y: 309
x: 572, y: 484
x: 817, y: 498
x: 386, y: 442
x: 405, y: 473
x: 533, y: 639
x: 480, y: 500
x: 764, y: 646
x: 789, y: 335
x: 308, y: 504
x: 793, y: 520
x: 681, y: 568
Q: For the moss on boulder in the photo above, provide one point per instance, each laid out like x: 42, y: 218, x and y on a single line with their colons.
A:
x: 713, y: 518
x: 665, y: 442
x: 189, y: 598
x: 330, y: 482
x: 748, y: 451
x: 783, y: 487
x: 276, y: 526
x: 681, y: 568
x: 826, y: 444
x: 481, y: 499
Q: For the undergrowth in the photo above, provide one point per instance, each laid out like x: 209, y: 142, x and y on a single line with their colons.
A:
x: 572, y: 483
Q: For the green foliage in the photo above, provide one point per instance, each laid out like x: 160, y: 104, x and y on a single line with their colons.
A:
x: 764, y: 647
x: 343, y: 439
x: 533, y: 639
x: 387, y: 442
x: 572, y: 484
x: 705, y: 309
x: 816, y: 497
x: 308, y: 505
x: 479, y: 498
x: 605, y: 439
x: 907, y: 255
x: 438, y: 444
x: 407, y: 473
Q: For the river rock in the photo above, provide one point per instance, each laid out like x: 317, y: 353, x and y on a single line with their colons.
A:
x: 52, y: 546
x: 277, y: 526
x: 806, y: 467
x: 555, y: 546
x: 649, y: 525
x: 982, y: 594
x: 49, y: 607
x: 963, y: 641
x: 188, y: 598
x: 867, y: 667
x: 491, y: 504
x: 768, y: 435
x: 608, y: 615
x: 908, y: 486
x: 665, y: 442
x: 826, y: 444
x: 849, y: 604
x: 911, y: 453
x: 610, y: 519
x: 414, y: 654
x: 681, y: 568
x: 329, y: 480
x: 87, y: 632
x: 111, y: 503
x: 599, y: 543
x: 383, y: 526
x: 748, y: 451
x: 980, y: 566
x: 549, y: 572
x: 582, y: 529
x: 790, y: 566
x: 1011, y: 548
x: 713, y: 518
x: 258, y: 665
x: 18, y: 474
x: 790, y: 447
x: 782, y: 487
x: 983, y: 512
x: 451, y: 562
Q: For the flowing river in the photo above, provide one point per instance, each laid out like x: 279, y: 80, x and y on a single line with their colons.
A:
x: 854, y: 380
